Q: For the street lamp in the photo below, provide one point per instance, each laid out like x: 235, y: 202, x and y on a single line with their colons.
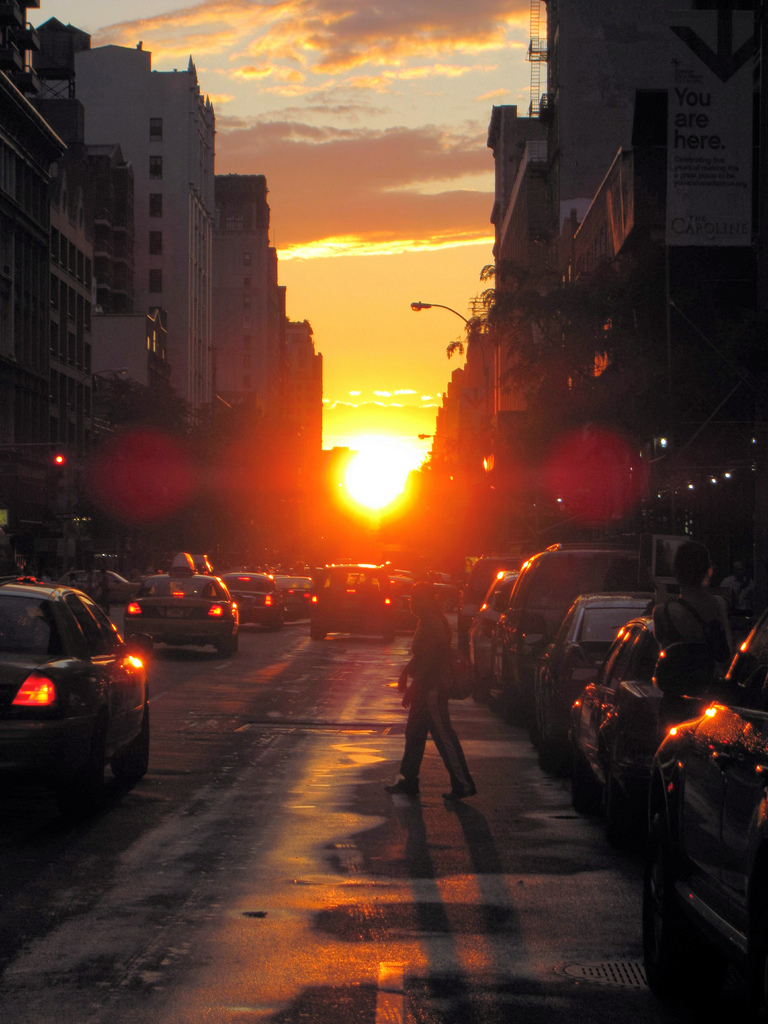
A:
x: 417, y: 306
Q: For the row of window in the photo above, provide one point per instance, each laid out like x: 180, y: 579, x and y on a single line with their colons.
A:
x: 68, y: 348
x: 69, y: 303
x: 66, y: 255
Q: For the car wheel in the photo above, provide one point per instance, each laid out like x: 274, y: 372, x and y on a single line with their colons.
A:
x: 132, y: 762
x: 81, y: 793
x: 677, y: 959
x: 228, y: 647
x: 618, y: 812
x: 585, y: 790
x: 315, y: 633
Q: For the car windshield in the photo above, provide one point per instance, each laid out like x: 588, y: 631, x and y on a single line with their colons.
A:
x: 249, y: 584
x: 297, y: 582
x: 353, y: 579
x: 27, y: 626
x: 169, y: 586
x: 602, y: 624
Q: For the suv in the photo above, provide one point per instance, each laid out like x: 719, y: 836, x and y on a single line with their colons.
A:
x: 545, y: 589
x: 352, y: 599
x: 473, y: 593
x: 705, y: 891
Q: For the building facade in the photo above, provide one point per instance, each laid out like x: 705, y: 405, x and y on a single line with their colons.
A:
x: 248, y: 303
x: 165, y: 129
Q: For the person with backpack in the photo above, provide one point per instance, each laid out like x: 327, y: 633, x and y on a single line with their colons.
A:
x: 427, y: 700
x: 695, y: 614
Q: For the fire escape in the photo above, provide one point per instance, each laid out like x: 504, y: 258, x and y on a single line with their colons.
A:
x: 537, y: 55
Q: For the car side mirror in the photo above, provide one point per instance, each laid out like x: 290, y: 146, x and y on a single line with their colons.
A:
x: 685, y: 669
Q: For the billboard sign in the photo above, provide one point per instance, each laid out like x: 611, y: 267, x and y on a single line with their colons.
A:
x: 709, y: 132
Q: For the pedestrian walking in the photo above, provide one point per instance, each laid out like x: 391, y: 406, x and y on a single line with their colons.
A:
x: 695, y: 614
x: 427, y: 701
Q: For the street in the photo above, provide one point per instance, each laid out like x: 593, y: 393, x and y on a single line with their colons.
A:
x: 260, y: 872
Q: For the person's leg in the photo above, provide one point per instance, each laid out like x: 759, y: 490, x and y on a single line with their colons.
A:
x: 416, y: 732
x: 449, y: 747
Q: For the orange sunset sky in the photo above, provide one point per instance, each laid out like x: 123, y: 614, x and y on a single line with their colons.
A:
x: 370, y: 121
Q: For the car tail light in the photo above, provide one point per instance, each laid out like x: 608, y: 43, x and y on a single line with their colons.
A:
x: 313, y: 599
x: 216, y: 610
x: 267, y: 600
x: 177, y: 593
x: 133, y: 608
x: 36, y: 692
x: 134, y: 662
x: 387, y: 600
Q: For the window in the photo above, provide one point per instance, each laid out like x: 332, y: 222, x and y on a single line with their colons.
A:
x: 246, y: 341
x: 155, y: 129
x: 246, y: 362
x: 54, y: 292
x: 54, y: 245
x: 246, y: 259
x: 155, y: 204
x: 246, y: 282
x: 155, y: 243
x: 247, y: 382
x: 155, y: 167
x: 155, y: 280
x: 246, y: 302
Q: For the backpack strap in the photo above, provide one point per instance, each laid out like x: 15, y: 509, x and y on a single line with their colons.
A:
x: 692, y: 610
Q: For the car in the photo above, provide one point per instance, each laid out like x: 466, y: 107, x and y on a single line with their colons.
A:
x: 73, y: 695
x: 446, y: 591
x: 705, y: 888
x: 259, y: 599
x: 296, y: 591
x: 481, y: 576
x: 356, y: 598
x: 544, y: 591
x: 120, y: 589
x: 184, y: 607
x: 616, y: 726
x: 483, y: 628
x: 402, y: 583
x: 571, y: 660
x: 201, y: 564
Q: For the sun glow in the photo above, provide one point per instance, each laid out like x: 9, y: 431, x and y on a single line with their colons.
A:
x: 376, y: 475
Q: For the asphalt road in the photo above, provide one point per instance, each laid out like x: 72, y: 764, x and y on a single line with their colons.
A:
x: 260, y: 872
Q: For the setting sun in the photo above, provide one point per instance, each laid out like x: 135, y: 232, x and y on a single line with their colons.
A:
x: 376, y: 475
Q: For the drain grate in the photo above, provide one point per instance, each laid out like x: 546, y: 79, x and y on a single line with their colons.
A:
x: 628, y: 973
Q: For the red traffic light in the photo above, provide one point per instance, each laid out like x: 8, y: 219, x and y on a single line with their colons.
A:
x: 59, y: 459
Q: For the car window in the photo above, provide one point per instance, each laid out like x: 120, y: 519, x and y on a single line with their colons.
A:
x: 616, y: 657
x: 96, y: 638
x: 627, y: 663
x: 28, y: 626
x: 645, y: 654
x: 604, y: 623
x: 565, y: 625
x: 250, y: 584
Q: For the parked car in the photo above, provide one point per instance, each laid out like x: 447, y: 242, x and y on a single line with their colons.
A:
x: 120, y: 589
x: 259, y: 598
x: 616, y: 726
x: 297, y: 592
x: 353, y: 599
x: 481, y: 633
x: 73, y: 695
x: 543, y: 593
x: 570, y: 661
x: 181, y: 608
x: 401, y: 583
x: 481, y: 576
x: 705, y: 892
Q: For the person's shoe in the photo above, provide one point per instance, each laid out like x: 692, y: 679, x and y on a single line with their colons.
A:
x: 460, y: 794
x: 403, y: 786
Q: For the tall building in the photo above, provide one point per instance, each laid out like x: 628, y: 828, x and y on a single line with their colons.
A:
x: 28, y: 146
x: 165, y: 129
x: 248, y: 303
x: 304, y: 387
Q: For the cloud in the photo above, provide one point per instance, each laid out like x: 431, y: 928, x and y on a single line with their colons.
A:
x: 333, y: 191
x: 330, y: 36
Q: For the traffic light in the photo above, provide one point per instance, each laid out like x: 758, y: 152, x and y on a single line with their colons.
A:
x: 59, y: 459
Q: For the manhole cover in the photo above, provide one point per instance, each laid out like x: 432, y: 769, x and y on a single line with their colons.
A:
x: 629, y: 973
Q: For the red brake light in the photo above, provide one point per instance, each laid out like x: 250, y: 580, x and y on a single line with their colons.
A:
x: 387, y: 600
x: 216, y: 610
x: 36, y: 692
x: 267, y: 600
x: 314, y: 599
x: 132, y: 608
x: 177, y: 593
